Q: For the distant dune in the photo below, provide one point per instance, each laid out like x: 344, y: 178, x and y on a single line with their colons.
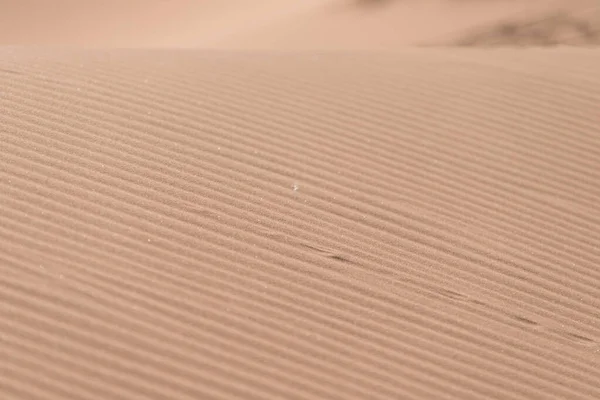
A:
x: 268, y: 211
x: 262, y: 24
x: 578, y: 27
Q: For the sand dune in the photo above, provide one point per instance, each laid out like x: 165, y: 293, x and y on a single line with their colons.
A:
x: 137, y: 23
x: 579, y: 26
x: 332, y: 221
x: 263, y: 24
x: 184, y: 224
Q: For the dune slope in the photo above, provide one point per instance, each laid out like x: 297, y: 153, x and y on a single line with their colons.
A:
x: 203, y: 225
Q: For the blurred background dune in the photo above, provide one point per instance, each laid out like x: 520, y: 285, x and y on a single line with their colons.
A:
x: 296, y: 24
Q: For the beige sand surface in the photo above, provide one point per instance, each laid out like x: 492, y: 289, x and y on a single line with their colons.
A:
x: 214, y: 224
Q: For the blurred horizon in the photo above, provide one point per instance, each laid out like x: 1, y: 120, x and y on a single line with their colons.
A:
x: 293, y: 24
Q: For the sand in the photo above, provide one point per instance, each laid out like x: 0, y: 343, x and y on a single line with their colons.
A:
x: 204, y: 217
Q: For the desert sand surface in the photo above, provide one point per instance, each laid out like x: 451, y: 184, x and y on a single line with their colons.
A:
x: 212, y: 200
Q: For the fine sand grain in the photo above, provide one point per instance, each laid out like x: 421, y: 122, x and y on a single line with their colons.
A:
x: 224, y: 224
